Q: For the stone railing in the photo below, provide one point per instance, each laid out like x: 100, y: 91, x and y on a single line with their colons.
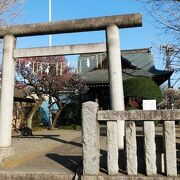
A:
x: 91, y: 117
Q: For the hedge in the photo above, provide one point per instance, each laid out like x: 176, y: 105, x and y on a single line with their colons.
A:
x: 142, y: 87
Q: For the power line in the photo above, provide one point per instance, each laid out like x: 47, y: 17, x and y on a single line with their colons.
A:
x: 176, y: 82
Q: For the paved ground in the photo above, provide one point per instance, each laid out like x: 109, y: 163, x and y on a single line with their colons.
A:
x: 57, y: 152
x: 46, y: 151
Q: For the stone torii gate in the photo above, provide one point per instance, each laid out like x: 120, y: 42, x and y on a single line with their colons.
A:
x: 110, y: 24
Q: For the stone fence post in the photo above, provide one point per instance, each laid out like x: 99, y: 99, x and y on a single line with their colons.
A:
x: 149, y: 140
x: 170, y: 148
x: 131, y: 148
x: 90, y: 130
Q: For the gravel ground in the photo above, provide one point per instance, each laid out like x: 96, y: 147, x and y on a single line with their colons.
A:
x: 27, y: 148
x: 42, y: 140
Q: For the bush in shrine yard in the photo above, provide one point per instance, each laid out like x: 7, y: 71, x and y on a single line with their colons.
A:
x: 142, y: 88
x: 71, y: 115
x: 50, y: 76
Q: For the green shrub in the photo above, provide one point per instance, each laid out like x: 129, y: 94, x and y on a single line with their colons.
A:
x: 70, y: 115
x: 142, y: 87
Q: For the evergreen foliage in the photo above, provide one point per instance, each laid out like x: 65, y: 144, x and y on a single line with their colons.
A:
x: 142, y: 87
x: 70, y: 115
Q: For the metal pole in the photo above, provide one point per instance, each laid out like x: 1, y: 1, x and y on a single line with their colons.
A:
x: 168, y: 63
x: 168, y: 50
x: 50, y: 18
x: 50, y: 44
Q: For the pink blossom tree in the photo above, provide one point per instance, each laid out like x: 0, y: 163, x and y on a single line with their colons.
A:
x: 50, y: 76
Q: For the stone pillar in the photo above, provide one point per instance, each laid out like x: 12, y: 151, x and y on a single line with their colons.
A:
x: 91, y: 147
x: 131, y: 148
x: 170, y: 148
x: 115, y: 77
x: 149, y: 140
x: 112, y: 148
x: 7, y: 96
x: 150, y: 148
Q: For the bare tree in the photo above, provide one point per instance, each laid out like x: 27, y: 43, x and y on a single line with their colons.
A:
x: 9, y: 10
x: 166, y: 14
x: 167, y: 17
x: 171, y: 99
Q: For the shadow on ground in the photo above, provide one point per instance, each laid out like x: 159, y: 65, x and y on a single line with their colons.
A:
x: 69, y: 162
x: 51, y: 137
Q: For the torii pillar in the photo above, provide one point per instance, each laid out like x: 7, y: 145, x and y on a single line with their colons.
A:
x: 115, y: 130
x: 7, y: 94
x: 115, y: 77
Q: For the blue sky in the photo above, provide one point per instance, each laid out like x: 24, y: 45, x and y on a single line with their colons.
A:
x: 37, y: 11
x: 132, y: 38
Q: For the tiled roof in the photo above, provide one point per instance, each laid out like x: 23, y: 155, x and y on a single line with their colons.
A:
x: 136, y: 62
